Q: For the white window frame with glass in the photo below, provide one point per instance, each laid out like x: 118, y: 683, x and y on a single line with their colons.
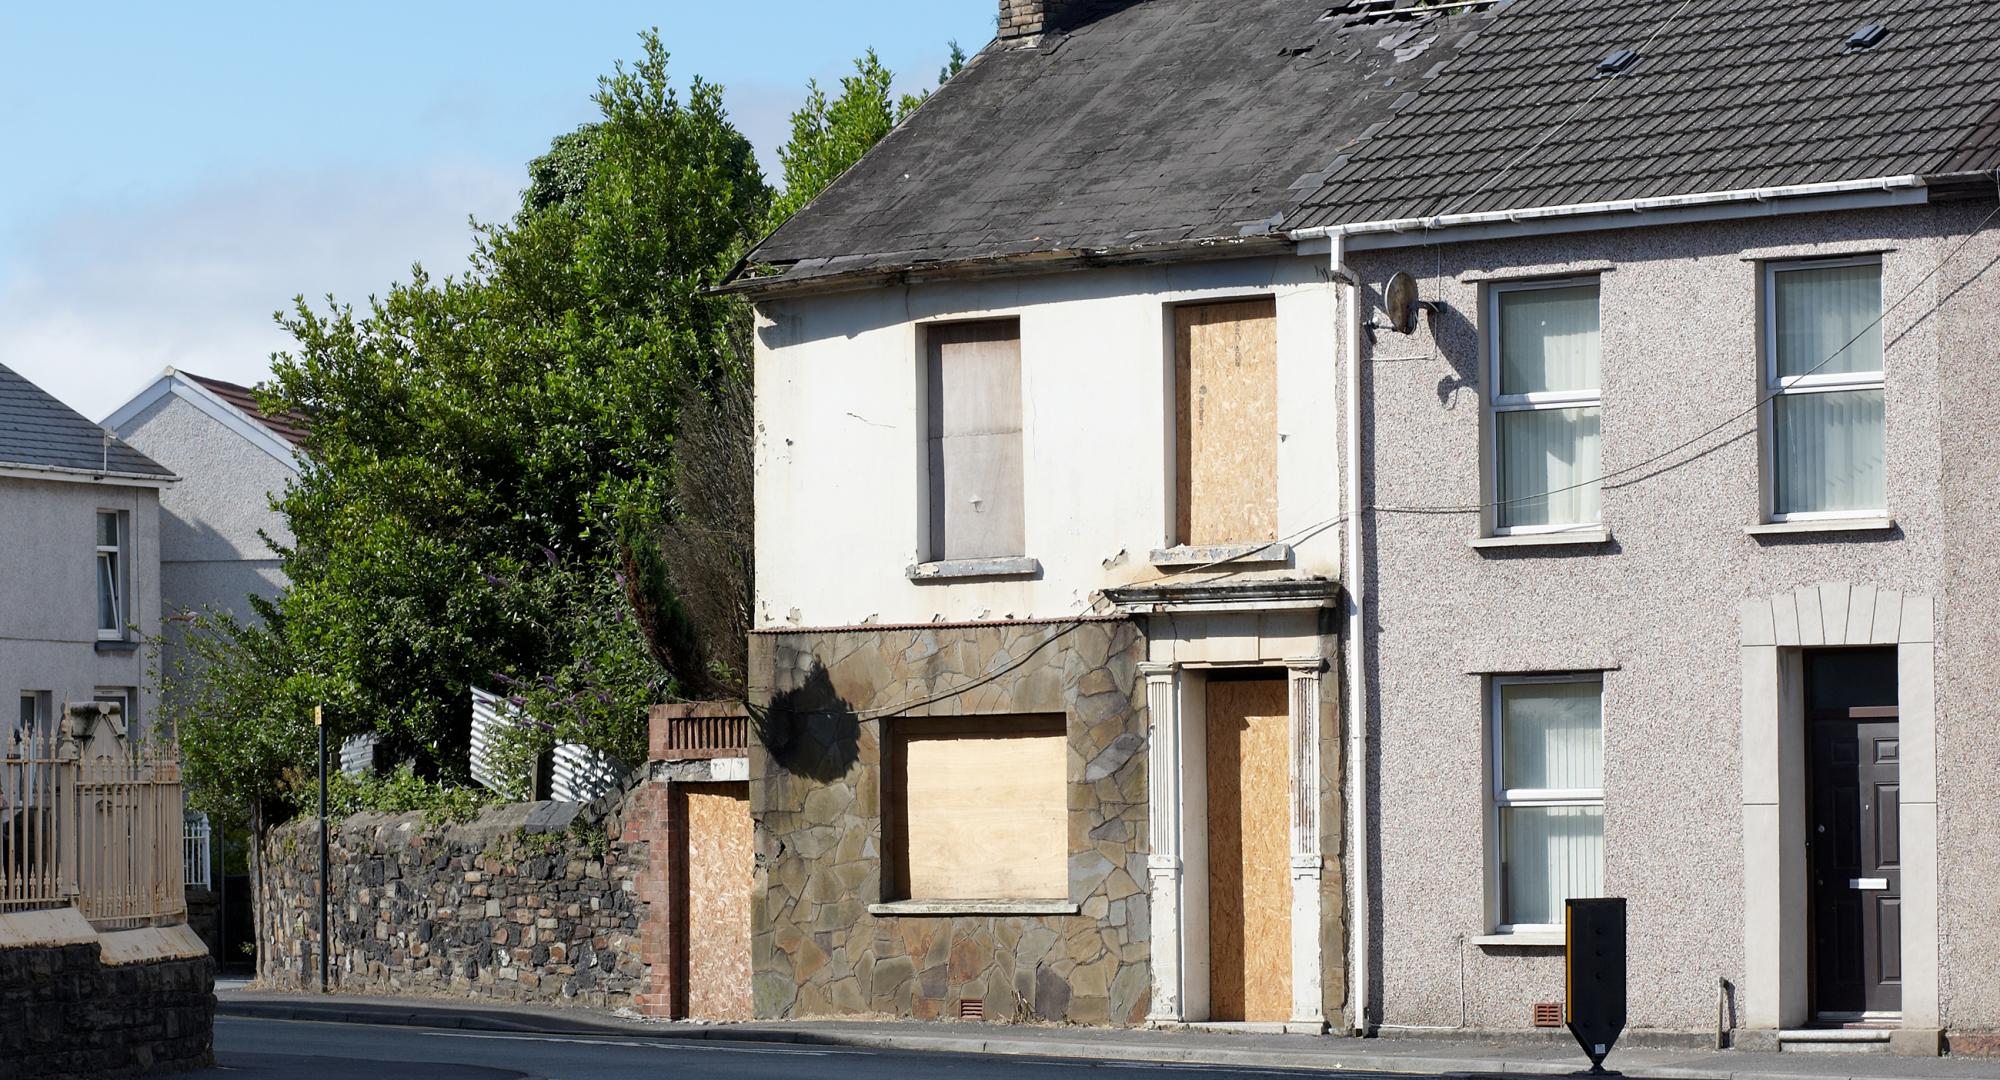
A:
x: 1509, y: 798
x: 112, y: 586
x: 1536, y: 391
x: 1816, y: 369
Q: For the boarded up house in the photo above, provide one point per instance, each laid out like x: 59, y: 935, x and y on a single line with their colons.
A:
x: 1259, y: 503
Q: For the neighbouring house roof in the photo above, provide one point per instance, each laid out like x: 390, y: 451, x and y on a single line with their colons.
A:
x: 1726, y: 95
x: 1164, y: 124
x: 37, y: 432
x: 289, y: 426
x: 282, y: 435
x: 1209, y: 127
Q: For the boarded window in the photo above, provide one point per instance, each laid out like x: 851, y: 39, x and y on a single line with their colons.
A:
x: 979, y: 808
x: 973, y: 372
x: 1226, y: 422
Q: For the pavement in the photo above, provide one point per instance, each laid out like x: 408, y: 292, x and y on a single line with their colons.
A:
x: 1424, y: 1056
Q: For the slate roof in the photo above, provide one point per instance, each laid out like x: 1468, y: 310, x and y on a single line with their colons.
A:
x: 1173, y: 124
x: 289, y: 426
x: 1166, y: 123
x: 1728, y: 95
x: 37, y: 431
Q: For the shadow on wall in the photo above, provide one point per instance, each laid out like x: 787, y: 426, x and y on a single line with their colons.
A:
x: 810, y: 730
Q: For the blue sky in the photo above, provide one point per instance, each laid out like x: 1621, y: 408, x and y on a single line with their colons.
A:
x: 177, y: 172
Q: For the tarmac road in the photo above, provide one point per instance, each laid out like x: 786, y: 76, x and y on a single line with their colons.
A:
x: 253, y: 1049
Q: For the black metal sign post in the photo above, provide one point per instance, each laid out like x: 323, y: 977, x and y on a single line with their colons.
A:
x: 1594, y: 975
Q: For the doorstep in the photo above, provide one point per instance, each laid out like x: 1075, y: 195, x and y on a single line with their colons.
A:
x: 1855, y: 1040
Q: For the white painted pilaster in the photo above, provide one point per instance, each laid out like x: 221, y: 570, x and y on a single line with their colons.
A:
x: 1163, y: 860
x: 1308, y: 984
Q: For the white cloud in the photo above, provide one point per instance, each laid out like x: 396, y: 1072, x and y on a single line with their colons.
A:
x: 98, y: 301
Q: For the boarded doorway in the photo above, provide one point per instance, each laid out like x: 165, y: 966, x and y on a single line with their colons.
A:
x: 1226, y: 422
x: 1249, y: 827
x: 715, y: 855
x: 1855, y: 822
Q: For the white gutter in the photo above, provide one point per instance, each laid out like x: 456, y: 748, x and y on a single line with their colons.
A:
x: 1912, y: 187
x: 1357, y: 678
x: 22, y: 471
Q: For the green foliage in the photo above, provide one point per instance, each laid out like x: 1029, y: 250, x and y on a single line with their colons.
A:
x: 476, y: 441
x: 560, y: 177
x: 953, y: 65
x: 239, y: 699
x: 399, y: 791
x: 830, y: 134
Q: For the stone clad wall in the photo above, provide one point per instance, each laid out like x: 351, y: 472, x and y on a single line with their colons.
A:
x: 517, y: 905
x: 78, y: 1005
x: 816, y: 795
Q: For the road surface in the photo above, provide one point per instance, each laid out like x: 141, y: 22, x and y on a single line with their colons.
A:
x: 247, y: 1049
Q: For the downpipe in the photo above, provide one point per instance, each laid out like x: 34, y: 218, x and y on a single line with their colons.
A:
x: 1357, y: 679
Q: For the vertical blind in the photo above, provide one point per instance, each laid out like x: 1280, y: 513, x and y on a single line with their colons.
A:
x: 1551, y: 754
x: 1828, y: 444
x: 1548, y: 457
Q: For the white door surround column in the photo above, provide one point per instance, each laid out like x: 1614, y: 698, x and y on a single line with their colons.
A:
x: 1775, y: 890
x: 1308, y: 864
x: 1163, y: 862
x: 1177, y: 865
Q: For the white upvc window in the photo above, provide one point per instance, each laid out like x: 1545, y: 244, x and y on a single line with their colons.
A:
x: 1543, y: 402
x: 1547, y: 754
x: 1823, y: 378
x: 110, y: 576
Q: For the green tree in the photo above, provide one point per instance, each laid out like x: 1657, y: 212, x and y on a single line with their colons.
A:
x: 483, y: 448
x: 830, y: 134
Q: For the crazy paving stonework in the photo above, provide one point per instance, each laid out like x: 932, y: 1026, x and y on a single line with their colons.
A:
x: 516, y: 905
x: 821, y: 700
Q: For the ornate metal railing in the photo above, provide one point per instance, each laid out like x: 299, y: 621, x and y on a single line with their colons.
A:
x: 89, y: 820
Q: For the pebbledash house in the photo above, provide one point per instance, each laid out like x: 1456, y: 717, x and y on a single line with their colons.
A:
x: 1258, y: 502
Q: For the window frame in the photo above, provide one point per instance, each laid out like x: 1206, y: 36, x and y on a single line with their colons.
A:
x: 894, y: 810
x: 932, y: 539
x: 121, y: 585
x: 1773, y: 386
x: 1500, y: 798
x: 1495, y: 403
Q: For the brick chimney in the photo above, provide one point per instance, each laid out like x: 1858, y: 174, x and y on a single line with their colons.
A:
x: 1031, y: 18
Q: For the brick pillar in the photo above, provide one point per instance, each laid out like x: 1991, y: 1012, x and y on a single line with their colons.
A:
x: 650, y: 819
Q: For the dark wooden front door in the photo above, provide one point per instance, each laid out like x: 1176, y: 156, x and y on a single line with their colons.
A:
x: 1856, y: 862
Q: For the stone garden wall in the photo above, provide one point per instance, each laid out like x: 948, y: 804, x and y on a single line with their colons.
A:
x: 542, y: 902
x: 816, y: 796
x: 76, y: 1004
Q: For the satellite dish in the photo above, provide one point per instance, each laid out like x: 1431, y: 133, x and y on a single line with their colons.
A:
x: 1400, y: 298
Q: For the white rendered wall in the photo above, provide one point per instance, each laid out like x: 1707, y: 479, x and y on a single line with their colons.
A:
x: 841, y: 426
x: 48, y: 592
x: 210, y: 551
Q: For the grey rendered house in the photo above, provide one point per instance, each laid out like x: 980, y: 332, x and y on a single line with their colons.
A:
x: 1676, y: 586
x: 1252, y: 497
x: 80, y: 584
x: 232, y: 458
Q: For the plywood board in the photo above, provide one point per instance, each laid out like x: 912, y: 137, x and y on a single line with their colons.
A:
x: 982, y: 810
x: 1226, y: 422
x: 719, y: 857
x: 973, y: 402
x: 1249, y: 830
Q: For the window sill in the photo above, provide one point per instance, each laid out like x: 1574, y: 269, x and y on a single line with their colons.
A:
x: 1881, y: 523
x: 106, y: 645
x: 1571, y: 538
x: 950, y: 569
x: 1531, y: 939
x: 975, y: 907
x: 1192, y: 555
